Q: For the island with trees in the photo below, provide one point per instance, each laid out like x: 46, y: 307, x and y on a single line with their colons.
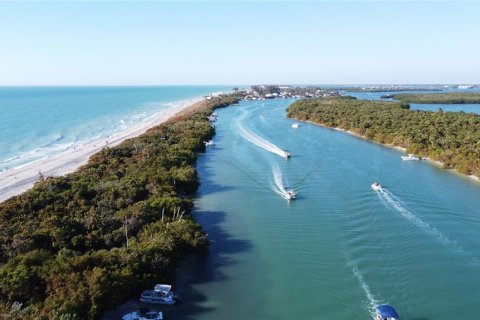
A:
x: 392, y: 88
x: 72, y: 246
x: 439, y: 98
x: 449, y: 137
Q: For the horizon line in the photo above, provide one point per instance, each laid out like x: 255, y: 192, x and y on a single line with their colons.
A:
x: 239, y: 85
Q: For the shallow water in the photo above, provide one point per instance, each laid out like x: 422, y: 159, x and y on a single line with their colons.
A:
x: 341, y: 247
x: 37, y: 122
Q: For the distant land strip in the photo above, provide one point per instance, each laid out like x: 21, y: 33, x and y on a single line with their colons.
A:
x: 449, y: 137
x: 439, y: 98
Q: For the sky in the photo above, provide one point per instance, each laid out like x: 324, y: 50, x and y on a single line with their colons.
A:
x: 237, y: 42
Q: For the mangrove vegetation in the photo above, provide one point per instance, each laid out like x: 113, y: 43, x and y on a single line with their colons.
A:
x: 440, y: 98
x: 450, y: 137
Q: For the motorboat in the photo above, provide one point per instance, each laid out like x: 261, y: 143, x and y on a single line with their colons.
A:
x: 161, y: 294
x: 289, y: 194
x: 295, y: 125
x: 286, y: 154
x: 143, y: 314
x: 208, y: 143
x: 213, y: 117
x: 386, y: 312
x: 377, y: 186
x: 410, y: 157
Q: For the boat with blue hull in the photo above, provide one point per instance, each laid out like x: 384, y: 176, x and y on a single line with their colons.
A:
x: 386, y: 312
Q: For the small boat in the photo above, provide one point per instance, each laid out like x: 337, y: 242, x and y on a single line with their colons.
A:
x: 208, y: 143
x: 295, y: 125
x: 377, y: 186
x: 213, y: 117
x: 289, y: 194
x: 386, y: 312
x: 161, y: 294
x: 410, y: 157
x: 143, y: 314
x: 286, y: 154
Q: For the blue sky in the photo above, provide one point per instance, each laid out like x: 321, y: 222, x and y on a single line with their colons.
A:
x: 135, y: 43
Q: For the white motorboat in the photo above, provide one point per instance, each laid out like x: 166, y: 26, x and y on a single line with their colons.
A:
x: 295, y: 125
x: 377, y: 186
x: 286, y: 154
x: 410, y: 157
x: 208, y: 143
x: 161, y: 294
x: 213, y: 117
x: 289, y: 194
x: 143, y: 314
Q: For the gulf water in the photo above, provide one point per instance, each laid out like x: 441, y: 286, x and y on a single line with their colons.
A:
x: 340, y: 247
x: 37, y: 122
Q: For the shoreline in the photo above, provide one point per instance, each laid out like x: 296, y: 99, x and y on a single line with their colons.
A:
x: 391, y: 146
x: 17, y: 180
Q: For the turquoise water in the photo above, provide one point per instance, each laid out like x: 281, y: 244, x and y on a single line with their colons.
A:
x: 37, y: 122
x: 475, y: 108
x: 340, y: 247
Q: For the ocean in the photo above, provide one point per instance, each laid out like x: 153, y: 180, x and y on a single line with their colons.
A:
x: 38, y: 122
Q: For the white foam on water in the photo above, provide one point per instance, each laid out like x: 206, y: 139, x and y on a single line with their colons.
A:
x: 278, y: 187
x: 259, y: 141
x: 372, y: 301
x: 390, y: 201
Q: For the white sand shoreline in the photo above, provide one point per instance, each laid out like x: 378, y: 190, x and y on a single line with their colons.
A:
x: 22, y: 178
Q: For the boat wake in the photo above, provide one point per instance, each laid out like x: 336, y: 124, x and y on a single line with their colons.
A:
x: 260, y: 142
x: 372, y: 302
x: 392, y: 202
x: 279, y: 186
x: 277, y: 177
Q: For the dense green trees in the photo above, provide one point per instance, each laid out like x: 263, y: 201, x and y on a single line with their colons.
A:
x: 73, y: 245
x: 450, y: 137
x: 445, y: 98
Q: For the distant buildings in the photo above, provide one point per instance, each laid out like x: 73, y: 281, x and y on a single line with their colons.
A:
x: 262, y: 92
x: 285, y: 92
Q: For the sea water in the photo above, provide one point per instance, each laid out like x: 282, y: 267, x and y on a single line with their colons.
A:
x: 37, y: 122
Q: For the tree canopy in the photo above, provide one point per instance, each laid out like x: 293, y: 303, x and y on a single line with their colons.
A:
x: 450, y: 137
x: 440, y: 98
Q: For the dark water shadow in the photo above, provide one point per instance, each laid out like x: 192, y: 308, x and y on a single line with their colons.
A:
x: 206, y: 171
x: 205, y: 266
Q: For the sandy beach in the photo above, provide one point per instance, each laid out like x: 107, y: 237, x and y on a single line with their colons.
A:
x: 20, y: 179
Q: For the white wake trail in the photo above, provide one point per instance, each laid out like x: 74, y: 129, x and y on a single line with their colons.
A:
x: 390, y: 201
x: 372, y: 302
x: 278, y: 179
x: 259, y: 141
